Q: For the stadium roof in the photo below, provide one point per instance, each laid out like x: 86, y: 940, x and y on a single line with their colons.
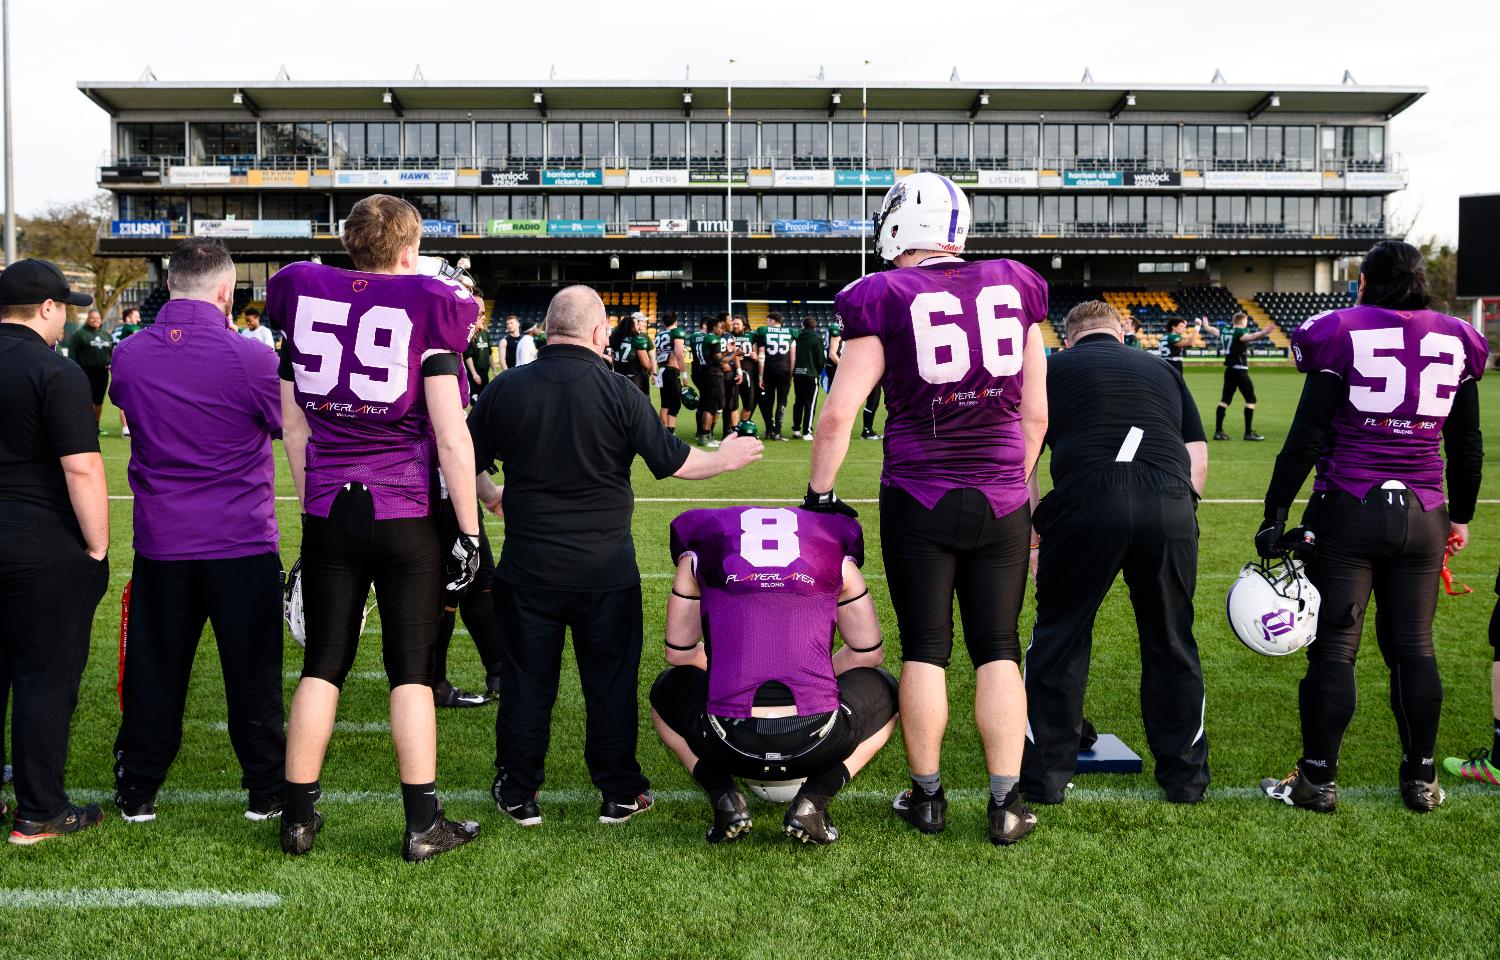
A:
x: 974, y: 98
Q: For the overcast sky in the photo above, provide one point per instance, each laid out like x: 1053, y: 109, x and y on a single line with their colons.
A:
x: 1450, y: 140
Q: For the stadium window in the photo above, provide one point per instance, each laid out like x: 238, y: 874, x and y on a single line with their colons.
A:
x: 515, y: 206
x: 670, y: 206
x: 1022, y: 212
x: 575, y: 206
x: 778, y: 142
x: 1146, y: 145
x: 635, y: 206
x: 1005, y: 145
x: 1207, y: 147
x: 286, y: 143
x: 706, y: 206
x: 149, y: 142
x: 745, y: 143
x: 1354, y: 148
x: 1180, y: 266
x: 436, y: 143
x: 579, y: 144
x: 811, y: 143
x: 294, y: 206
x: 706, y: 147
x: 846, y: 205
x: 508, y: 145
x: 988, y: 211
x: 213, y: 143
x: 1075, y: 145
x: 811, y: 206
x: 231, y: 207
x: 938, y: 146
x: 1283, y: 148
x: 778, y: 206
x: 742, y: 206
x: 160, y: 206
x: 366, y: 144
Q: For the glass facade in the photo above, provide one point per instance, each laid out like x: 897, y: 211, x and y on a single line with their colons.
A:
x: 366, y: 144
x: 1283, y: 148
x: 291, y: 142
x: 508, y: 145
x: 1146, y: 146
x: 222, y: 143
x: 150, y: 142
x: 1006, y: 146
x: 1075, y: 145
x: 1221, y: 147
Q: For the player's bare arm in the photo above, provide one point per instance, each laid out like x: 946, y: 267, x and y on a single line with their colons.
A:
x: 859, y: 625
x: 1033, y: 398
x: 863, y: 365
x: 684, y: 635
x: 294, y: 434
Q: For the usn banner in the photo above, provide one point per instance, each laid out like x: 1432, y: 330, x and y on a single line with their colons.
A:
x: 140, y: 228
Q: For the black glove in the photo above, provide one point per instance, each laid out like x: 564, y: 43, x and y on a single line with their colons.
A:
x: 1268, y: 537
x: 827, y: 503
x: 460, y: 568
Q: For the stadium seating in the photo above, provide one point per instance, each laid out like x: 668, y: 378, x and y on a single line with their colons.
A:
x: 153, y: 303
x: 1288, y: 310
x: 1215, y: 303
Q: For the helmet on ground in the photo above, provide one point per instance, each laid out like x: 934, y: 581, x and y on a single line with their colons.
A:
x: 1273, y: 606
x: 690, y: 398
x: 776, y: 791
x: 747, y: 428
x: 924, y: 211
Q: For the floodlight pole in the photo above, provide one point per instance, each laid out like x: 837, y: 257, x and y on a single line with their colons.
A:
x: 10, y: 153
x: 729, y: 189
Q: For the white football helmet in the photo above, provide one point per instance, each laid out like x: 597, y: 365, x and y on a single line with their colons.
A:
x: 776, y: 791
x: 292, y: 607
x: 924, y: 211
x: 1273, y: 606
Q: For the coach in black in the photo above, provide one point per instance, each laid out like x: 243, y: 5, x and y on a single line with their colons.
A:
x: 567, y: 429
x: 54, y: 537
x: 1126, y: 479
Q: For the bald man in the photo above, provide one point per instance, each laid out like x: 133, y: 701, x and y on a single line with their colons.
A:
x: 566, y: 430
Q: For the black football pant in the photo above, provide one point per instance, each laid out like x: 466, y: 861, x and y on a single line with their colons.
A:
x: 1122, y: 518
x: 773, y: 399
x: 606, y: 628
x: 806, y: 388
x: 872, y: 406
x: 477, y: 608
x: 170, y: 601
x: 49, y: 590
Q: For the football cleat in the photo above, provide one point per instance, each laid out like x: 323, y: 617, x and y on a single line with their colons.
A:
x: 1010, y: 823
x: 1252, y: 435
x: 143, y: 811
x: 446, y: 696
x: 1478, y: 768
x: 297, y: 838
x: 1421, y: 796
x: 72, y: 820
x: 807, y: 820
x: 869, y: 435
x: 1220, y: 435
x: 612, y: 811
x: 1295, y: 790
x: 927, y: 812
x: 442, y: 836
x: 261, y: 810
x: 525, y: 814
x: 731, y: 818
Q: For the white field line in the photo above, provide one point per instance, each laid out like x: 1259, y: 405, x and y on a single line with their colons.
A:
x: 104, y: 897
x: 740, y: 500
x: 339, y: 726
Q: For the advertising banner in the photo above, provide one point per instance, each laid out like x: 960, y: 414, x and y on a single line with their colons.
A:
x: 1262, y: 180
x: 802, y: 178
x: 140, y: 228
x: 851, y: 228
x: 276, y: 178
x: 439, y: 228
x: 395, y: 178
x: 192, y: 176
x: 1009, y: 179
x: 964, y: 178
x: 800, y: 228
x: 1093, y: 178
x: 1374, y: 180
x: 713, y: 178
x: 1153, y: 178
x: 576, y: 228
x: 573, y: 178
x: 129, y: 174
x: 252, y: 229
x: 641, y: 228
x: 509, y: 178
x: 872, y: 178
x: 516, y: 228
x: 720, y: 227
x: 657, y: 178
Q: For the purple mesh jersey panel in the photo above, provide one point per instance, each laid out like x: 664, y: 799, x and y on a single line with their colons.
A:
x: 954, y: 334
x: 1403, y: 369
x: 357, y: 342
x: 770, y: 578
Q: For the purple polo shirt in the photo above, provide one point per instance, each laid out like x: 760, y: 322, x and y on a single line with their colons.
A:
x: 203, y: 404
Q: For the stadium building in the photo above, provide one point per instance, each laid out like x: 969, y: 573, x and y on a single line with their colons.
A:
x: 1171, y: 199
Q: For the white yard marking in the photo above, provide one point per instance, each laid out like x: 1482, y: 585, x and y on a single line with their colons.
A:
x: 105, y: 898
x: 750, y: 500
x: 339, y: 726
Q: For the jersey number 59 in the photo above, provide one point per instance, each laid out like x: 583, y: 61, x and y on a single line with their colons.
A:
x: 1001, y: 335
x: 389, y: 357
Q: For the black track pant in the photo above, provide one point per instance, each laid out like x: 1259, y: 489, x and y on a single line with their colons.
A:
x: 1124, y: 518
x: 49, y: 589
x: 773, y: 398
x: 477, y: 607
x: 606, y: 628
x: 802, y: 407
x: 872, y: 407
x: 170, y: 600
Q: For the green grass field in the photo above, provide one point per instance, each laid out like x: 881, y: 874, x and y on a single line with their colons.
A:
x: 1115, y: 871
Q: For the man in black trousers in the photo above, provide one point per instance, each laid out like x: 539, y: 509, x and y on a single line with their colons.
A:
x: 567, y: 428
x: 1126, y: 481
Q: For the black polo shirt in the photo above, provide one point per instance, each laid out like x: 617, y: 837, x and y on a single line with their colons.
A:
x: 566, y: 429
x: 1109, y: 404
x: 48, y: 414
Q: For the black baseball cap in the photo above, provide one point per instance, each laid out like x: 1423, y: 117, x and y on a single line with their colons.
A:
x: 32, y: 281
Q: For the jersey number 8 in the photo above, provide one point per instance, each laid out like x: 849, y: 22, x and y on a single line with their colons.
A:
x: 999, y: 323
x: 768, y: 537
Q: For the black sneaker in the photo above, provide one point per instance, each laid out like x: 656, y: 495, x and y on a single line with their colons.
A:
x: 925, y: 811
x: 1252, y: 435
x: 1220, y: 435
x: 492, y: 687
x: 525, y: 814
x: 1295, y: 790
x: 612, y: 811
x: 731, y: 818
x: 261, y: 810
x: 780, y: 438
x: 72, y: 820
x: 869, y: 435
x: 297, y: 838
x: 143, y: 811
x: 1421, y: 796
x: 1011, y: 822
x: 442, y: 836
x: 447, y: 696
x: 807, y: 820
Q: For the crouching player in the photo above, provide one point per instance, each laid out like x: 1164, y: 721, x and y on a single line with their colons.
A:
x: 754, y: 689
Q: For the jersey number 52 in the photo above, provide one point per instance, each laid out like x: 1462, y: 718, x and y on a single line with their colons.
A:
x: 1446, y: 350
x: 1001, y: 335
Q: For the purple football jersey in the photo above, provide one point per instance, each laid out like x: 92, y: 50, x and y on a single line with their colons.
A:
x: 770, y: 578
x: 1403, y: 369
x: 356, y: 342
x: 954, y: 334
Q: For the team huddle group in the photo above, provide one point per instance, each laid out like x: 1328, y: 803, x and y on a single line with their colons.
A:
x: 774, y: 649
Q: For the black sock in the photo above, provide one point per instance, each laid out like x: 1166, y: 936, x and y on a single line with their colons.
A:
x: 300, y: 798
x: 421, y: 804
x: 715, y: 782
x: 1249, y: 418
x: 1327, y: 698
x: 1219, y: 420
x: 826, y: 784
x: 1495, y: 749
x: 1417, y: 702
